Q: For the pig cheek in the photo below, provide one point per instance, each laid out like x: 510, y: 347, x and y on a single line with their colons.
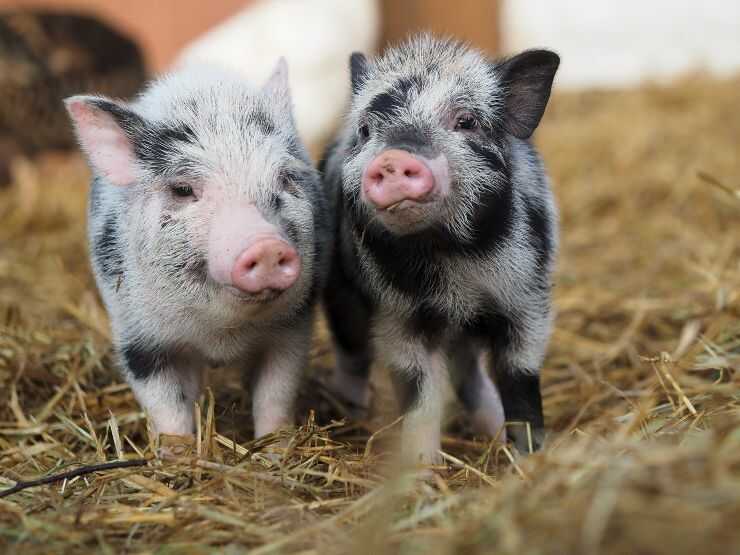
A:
x: 441, y: 171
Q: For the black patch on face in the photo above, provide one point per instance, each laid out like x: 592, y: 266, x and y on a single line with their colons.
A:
x: 407, y: 384
x: 387, y: 103
x: 541, y: 233
x: 410, y: 139
x: 428, y: 322
x: 144, y: 361
x: 159, y: 145
x: 384, y: 104
x: 107, y: 249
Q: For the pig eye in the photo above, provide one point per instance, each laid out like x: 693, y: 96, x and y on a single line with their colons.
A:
x: 466, y: 122
x: 364, y: 131
x: 182, y: 191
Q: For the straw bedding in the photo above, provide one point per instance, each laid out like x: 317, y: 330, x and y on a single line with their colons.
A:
x: 640, y: 384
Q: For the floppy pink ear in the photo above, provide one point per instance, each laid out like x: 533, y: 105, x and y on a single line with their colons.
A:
x: 99, y: 124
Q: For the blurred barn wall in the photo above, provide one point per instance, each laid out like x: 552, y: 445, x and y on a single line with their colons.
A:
x: 160, y: 27
x: 476, y: 21
x: 606, y: 43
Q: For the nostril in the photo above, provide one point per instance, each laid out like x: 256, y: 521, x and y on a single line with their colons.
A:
x: 251, y: 265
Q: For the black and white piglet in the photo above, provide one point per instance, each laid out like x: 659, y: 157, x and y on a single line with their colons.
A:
x: 447, y: 236
x: 209, y: 238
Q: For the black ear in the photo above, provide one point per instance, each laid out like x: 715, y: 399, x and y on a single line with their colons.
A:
x: 357, y: 68
x: 527, y: 80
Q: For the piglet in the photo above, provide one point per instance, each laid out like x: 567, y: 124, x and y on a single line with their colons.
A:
x: 209, y: 238
x: 446, y: 237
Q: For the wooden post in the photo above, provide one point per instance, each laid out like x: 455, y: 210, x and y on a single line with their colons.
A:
x: 476, y: 21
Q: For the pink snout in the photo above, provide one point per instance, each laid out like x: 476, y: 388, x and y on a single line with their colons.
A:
x: 395, y: 176
x: 266, y: 264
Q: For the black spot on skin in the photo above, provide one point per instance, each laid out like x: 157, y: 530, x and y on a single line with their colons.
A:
x: 387, y: 103
x: 144, y: 361
x: 158, y: 147
x: 411, y: 139
x: 494, y: 216
x: 519, y: 389
x: 428, y: 322
x: 520, y: 395
x: 165, y: 220
x: 107, y: 249
x: 541, y: 233
x: 407, y: 384
x: 493, y: 324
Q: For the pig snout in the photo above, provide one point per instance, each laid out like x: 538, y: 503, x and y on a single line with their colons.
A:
x: 396, y: 176
x: 266, y: 264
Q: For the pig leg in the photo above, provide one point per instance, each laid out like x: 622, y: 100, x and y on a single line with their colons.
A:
x: 420, y: 390
x: 420, y: 378
x: 476, y: 391
x: 516, y: 358
x: 349, y: 316
x: 276, y: 378
x: 166, y: 384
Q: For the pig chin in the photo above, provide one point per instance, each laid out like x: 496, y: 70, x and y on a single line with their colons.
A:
x: 409, y: 217
x: 263, y: 297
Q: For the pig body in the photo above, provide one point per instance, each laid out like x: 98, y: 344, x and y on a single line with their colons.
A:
x: 446, y: 237
x: 209, y: 238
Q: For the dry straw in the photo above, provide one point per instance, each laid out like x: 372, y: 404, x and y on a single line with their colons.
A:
x: 640, y: 385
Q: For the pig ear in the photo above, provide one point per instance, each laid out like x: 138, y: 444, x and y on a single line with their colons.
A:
x: 277, y: 86
x: 357, y: 69
x: 527, y: 80
x: 105, y: 131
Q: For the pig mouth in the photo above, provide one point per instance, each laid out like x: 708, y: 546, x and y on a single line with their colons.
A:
x: 264, y: 297
x: 409, y: 215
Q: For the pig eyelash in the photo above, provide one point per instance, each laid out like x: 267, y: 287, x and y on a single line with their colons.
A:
x: 465, y: 121
x: 182, y: 190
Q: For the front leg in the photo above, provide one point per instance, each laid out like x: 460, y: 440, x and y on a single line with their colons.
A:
x: 518, y: 344
x: 277, y: 376
x: 165, y: 381
x: 420, y: 378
